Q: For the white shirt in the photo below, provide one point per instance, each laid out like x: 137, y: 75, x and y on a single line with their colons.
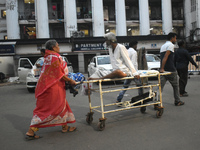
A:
x: 167, y: 46
x: 120, y: 60
x: 133, y: 56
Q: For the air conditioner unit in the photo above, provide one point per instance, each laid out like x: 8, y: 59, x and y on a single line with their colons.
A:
x: 81, y: 34
x: 195, y: 35
x: 87, y: 16
x: 127, y: 7
x: 75, y: 34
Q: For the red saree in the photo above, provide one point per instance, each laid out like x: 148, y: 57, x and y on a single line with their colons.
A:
x: 52, y: 108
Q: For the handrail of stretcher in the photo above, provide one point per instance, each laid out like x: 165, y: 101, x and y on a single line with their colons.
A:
x: 116, y: 79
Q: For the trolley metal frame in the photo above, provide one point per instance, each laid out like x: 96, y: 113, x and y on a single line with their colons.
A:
x: 158, y: 105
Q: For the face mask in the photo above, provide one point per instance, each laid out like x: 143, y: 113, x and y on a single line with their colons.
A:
x: 105, y: 45
x: 108, y: 44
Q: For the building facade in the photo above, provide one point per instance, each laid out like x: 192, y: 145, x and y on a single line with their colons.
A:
x: 29, y: 19
x: 73, y: 21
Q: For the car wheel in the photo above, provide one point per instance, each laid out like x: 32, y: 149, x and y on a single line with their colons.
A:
x: 31, y: 90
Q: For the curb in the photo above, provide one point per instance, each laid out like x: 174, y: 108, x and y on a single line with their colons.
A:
x: 8, y: 83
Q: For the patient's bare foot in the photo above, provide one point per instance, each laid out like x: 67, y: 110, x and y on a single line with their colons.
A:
x: 94, y: 78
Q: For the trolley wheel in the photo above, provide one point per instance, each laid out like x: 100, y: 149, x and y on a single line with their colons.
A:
x: 159, y: 112
x: 143, y: 109
x: 101, y: 125
x: 89, y: 117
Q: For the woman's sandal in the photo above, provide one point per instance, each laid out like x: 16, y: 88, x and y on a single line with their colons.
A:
x: 69, y: 129
x: 33, y: 137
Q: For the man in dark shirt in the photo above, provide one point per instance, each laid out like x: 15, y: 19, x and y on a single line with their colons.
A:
x: 167, y: 64
x: 182, y: 59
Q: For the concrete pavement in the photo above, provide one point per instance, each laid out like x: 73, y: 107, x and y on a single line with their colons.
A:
x: 178, y: 128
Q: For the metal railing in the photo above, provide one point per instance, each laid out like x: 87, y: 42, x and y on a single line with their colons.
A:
x: 191, y: 68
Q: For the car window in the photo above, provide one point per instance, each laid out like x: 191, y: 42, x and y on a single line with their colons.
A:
x: 103, y: 60
x: 24, y: 62
x: 152, y: 58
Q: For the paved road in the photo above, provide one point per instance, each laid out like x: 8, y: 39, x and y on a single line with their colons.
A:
x: 178, y: 128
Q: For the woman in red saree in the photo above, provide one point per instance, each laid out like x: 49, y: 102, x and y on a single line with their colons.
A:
x: 52, y: 108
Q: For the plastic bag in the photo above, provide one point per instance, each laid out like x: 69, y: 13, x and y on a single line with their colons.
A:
x: 85, y: 90
x: 78, y: 77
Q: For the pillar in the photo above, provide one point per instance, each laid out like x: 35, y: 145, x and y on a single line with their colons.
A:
x: 12, y: 16
x: 144, y: 17
x: 166, y: 16
x: 42, y: 19
x: 81, y: 63
x: 70, y: 17
x: 97, y: 18
x: 187, y: 14
x: 120, y: 12
x: 198, y: 13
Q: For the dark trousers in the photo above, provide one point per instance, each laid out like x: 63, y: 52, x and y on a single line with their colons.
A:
x: 173, y: 79
x: 183, y: 78
x: 126, y: 85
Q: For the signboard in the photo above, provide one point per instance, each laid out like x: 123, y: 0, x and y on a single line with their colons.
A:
x: 7, y: 49
x: 89, y: 47
x: 92, y: 47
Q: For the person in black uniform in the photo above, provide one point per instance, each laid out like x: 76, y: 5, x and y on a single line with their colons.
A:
x: 182, y: 59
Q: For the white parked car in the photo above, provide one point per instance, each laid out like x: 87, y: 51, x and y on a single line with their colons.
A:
x: 103, y: 61
x: 29, y: 73
x: 98, y: 62
x: 153, y: 62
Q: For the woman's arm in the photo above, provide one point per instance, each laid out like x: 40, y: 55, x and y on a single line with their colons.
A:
x: 71, y: 82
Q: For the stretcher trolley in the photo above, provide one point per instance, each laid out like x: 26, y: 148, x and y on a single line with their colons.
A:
x: 149, y: 98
